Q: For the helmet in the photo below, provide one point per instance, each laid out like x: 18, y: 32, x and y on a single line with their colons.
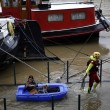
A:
x: 96, y: 55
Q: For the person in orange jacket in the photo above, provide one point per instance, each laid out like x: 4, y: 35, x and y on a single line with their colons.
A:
x: 91, y: 71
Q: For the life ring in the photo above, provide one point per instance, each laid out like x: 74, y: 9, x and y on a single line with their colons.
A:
x: 10, y: 28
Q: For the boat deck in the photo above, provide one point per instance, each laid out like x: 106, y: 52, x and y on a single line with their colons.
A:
x: 65, y: 6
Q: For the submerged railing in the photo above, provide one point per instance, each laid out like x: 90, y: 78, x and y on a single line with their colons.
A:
x: 49, y: 80
x: 52, y: 103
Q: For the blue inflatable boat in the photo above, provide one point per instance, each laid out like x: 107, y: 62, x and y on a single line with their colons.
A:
x: 55, y: 90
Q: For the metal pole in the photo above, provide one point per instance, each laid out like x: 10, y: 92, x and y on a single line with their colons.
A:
x: 14, y: 72
x: 4, y: 103
x: 67, y: 72
x: 48, y: 73
x: 79, y: 102
x: 52, y: 103
x: 100, y: 71
x: 83, y: 84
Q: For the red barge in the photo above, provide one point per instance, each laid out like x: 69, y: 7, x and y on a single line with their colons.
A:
x: 58, y: 20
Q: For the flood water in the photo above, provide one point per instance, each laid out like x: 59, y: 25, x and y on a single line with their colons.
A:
x: 77, y: 55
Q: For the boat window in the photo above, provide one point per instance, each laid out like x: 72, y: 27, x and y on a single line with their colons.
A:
x: 8, y: 3
x: 5, y: 3
x: 78, y: 16
x: 15, y: 3
x: 55, y: 17
x: 38, y: 2
x: 23, y: 2
x: 33, y: 2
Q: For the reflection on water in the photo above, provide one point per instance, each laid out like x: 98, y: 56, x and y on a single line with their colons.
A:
x: 105, y: 39
x: 92, y: 102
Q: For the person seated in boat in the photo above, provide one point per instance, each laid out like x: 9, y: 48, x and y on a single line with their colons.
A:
x: 43, y: 89
x: 31, y: 84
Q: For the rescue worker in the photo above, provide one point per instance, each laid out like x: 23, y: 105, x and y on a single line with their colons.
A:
x: 91, y: 71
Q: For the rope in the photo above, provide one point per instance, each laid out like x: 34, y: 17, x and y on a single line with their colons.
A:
x: 74, y: 83
x: 34, y: 40
x: 55, y: 55
x: 77, y: 74
x: 78, y: 52
x: 56, y: 43
x: 106, y: 60
x: 34, y: 43
x: 31, y: 40
x: 23, y: 62
x: 100, y: 4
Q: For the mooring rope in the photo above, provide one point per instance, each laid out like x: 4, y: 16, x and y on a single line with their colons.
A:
x: 23, y: 62
x: 36, y: 45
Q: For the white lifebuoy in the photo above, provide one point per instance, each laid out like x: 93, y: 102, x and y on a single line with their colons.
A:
x: 10, y: 28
